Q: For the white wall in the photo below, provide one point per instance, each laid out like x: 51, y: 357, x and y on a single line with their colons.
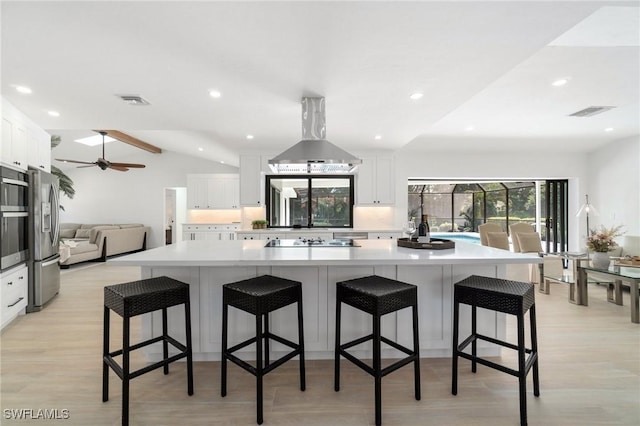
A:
x: 614, y: 185
x: 136, y: 196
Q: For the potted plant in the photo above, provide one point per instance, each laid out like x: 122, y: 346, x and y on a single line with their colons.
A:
x: 259, y: 224
x: 601, y: 242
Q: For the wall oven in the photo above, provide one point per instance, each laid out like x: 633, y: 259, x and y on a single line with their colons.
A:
x: 14, y: 216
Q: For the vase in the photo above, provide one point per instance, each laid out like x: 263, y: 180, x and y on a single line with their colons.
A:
x: 600, y: 260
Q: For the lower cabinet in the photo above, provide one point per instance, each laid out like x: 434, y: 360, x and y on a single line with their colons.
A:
x: 209, y: 232
x: 14, y: 284
x: 435, y: 300
x: 384, y: 235
x: 282, y: 322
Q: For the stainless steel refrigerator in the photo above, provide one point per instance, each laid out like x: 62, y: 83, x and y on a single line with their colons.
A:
x: 44, y: 230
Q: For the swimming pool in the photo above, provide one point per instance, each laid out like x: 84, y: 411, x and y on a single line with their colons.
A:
x: 467, y: 237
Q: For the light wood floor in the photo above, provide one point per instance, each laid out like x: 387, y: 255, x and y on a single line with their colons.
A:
x: 589, y: 374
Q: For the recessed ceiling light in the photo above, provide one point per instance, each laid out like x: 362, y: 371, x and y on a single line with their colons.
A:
x: 416, y: 96
x: 470, y: 128
x: 23, y: 89
x: 560, y: 82
x: 201, y: 149
x: 54, y: 113
x: 378, y: 137
x: 221, y: 162
x: 214, y: 94
x: 94, y: 140
x: 249, y: 136
x: 609, y: 129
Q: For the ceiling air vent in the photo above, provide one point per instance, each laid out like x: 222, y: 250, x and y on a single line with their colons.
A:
x: 134, y: 99
x: 592, y: 110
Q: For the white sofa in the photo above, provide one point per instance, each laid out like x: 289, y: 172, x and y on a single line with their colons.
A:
x: 83, y: 242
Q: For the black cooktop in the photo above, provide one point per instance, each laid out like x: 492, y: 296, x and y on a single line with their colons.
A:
x: 313, y: 242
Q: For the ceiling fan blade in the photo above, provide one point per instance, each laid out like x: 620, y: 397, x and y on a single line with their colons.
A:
x: 119, y: 168
x: 131, y: 165
x: 90, y: 165
x: 74, y: 161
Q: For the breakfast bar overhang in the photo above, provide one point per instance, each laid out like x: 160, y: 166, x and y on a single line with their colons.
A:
x: 207, y: 265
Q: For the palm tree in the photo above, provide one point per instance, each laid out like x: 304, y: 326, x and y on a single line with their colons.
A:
x: 66, y: 183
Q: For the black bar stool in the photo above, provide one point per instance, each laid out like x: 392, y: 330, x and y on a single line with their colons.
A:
x: 377, y: 296
x: 259, y: 296
x: 510, y: 297
x: 136, y: 298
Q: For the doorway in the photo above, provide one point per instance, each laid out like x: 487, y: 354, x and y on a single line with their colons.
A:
x: 175, y: 213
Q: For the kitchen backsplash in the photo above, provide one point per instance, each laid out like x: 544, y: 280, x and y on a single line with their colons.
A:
x: 213, y: 216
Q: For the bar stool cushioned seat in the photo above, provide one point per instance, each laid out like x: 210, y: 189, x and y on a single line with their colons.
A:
x: 510, y: 297
x: 377, y: 296
x: 259, y: 296
x: 136, y: 298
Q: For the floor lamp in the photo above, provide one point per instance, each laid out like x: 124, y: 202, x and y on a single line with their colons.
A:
x: 585, y: 209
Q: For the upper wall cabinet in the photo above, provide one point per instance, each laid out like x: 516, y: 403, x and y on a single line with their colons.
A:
x: 214, y: 191
x: 375, y: 181
x: 23, y: 143
x: 14, y: 142
x: 39, y: 149
x: 251, y: 178
x: 224, y: 192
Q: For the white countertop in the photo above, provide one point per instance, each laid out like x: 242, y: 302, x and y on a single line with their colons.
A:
x: 319, y: 230
x: 253, y: 253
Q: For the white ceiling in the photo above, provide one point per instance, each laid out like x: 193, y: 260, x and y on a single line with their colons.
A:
x: 486, y: 65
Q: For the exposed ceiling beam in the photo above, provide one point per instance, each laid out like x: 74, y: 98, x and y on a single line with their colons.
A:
x: 123, y: 137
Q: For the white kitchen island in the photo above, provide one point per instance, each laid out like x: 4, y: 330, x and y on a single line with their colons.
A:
x: 207, y: 265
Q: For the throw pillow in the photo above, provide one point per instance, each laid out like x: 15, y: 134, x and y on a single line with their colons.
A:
x: 82, y: 233
x: 529, y: 242
x: 498, y: 240
x: 67, y: 233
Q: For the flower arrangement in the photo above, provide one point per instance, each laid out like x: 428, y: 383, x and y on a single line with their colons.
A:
x: 603, y: 241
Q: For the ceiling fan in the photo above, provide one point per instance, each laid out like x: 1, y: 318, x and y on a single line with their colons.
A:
x: 103, y: 163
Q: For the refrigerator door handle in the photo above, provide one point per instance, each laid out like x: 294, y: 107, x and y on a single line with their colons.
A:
x: 55, y: 214
x: 52, y: 261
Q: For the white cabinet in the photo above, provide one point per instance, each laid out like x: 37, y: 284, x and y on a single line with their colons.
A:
x: 384, y: 235
x: 248, y: 235
x: 23, y: 143
x: 39, y: 149
x: 209, y: 231
x: 224, y: 192
x: 376, y: 180
x: 213, y: 191
x: 251, y: 181
x: 14, y: 143
x: 197, y: 192
x: 13, y: 293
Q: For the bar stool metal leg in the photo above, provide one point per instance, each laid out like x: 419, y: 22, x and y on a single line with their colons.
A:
x: 187, y: 319
x: 303, y: 381
x: 377, y: 367
x: 105, y: 353
x: 259, y: 368
x: 522, y: 373
x: 336, y: 374
x: 223, y: 354
x: 454, y: 355
x: 416, y: 349
x: 474, y: 343
x: 125, y: 371
x: 534, y: 349
x: 165, y: 343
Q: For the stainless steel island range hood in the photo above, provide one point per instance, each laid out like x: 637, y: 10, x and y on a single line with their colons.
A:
x: 314, y: 154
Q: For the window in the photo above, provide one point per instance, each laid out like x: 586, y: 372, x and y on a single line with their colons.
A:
x: 318, y: 201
